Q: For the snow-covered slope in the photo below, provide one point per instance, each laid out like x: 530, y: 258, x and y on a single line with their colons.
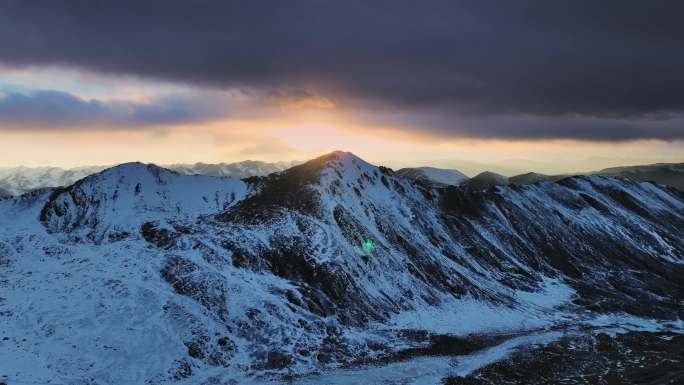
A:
x: 118, y: 200
x: 142, y: 275
x: 438, y: 176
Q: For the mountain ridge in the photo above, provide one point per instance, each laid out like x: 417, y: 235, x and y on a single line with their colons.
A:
x: 279, y: 281
x: 19, y: 180
x: 447, y: 177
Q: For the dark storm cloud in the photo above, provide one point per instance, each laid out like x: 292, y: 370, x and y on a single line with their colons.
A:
x: 509, y: 126
x: 49, y: 109
x: 610, y: 60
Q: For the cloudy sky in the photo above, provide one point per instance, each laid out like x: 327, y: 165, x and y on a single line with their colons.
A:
x: 565, y: 85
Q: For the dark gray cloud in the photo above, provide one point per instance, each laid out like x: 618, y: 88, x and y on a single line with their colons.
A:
x: 50, y: 109
x: 617, y: 63
x: 527, y: 126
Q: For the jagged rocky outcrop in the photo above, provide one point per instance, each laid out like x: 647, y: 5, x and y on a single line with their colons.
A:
x: 326, y: 264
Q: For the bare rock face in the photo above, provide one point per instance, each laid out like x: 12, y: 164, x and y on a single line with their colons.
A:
x: 161, y: 237
x: 184, y: 275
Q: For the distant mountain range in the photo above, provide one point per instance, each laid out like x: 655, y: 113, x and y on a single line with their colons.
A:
x: 671, y: 174
x: 19, y: 180
x: 437, y: 176
x: 242, y: 169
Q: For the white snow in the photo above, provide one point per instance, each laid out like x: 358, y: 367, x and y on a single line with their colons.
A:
x: 73, y: 309
x: 433, y: 174
x: 469, y: 316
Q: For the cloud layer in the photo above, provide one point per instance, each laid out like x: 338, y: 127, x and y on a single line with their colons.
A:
x: 51, y: 109
x: 538, y: 69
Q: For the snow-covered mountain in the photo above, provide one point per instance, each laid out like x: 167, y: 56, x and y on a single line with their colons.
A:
x: 19, y: 180
x: 139, y: 274
x: 438, y: 176
x: 242, y: 169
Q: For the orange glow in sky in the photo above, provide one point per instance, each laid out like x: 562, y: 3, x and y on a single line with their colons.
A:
x: 304, y: 136
x: 283, y: 127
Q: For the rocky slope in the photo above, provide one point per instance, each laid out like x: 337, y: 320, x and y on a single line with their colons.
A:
x: 141, y: 274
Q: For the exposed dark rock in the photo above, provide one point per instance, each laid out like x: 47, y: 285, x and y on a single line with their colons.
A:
x: 184, y: 370
x: 277, y: 360
x: 160, y: 237
x: 631, y: 358
x: 285, y: 190
x: 191, y: 280
x: 195, y: 349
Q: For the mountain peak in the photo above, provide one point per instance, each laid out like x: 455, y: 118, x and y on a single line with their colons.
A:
x: 128, y: 173
x: 349, y: 158
x: 301, y: 187
x: 528, y: 178
x: 337, y: 160
x: 129, y: 170
x: 135, y: 167
x: 342, y: 153
x: 487, y: 179
x: 339, y: 155
x: 120, y: 197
